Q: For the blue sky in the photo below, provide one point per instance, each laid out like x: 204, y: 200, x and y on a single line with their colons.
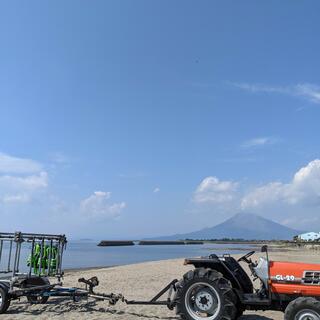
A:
x: 139, y: 118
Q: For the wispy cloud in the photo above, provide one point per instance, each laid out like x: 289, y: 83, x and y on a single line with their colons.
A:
x: 156, y: 190
x: 21, y: 179
x: 254, y: 87
x: 308, y: 91
x: 59, y: 158
x: 258, y: 142
x: 11, y: 164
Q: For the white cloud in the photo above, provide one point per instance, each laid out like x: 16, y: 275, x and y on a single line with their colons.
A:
x: 304, y: 189
x: 17, y: 198
x: 270, y: 192
x: 257, y: 142
x: 212, y: 190
x: 10, y: 164
x: 310, y: 92
x: 254, y: 88
x: 25, y: 183
x: 295, y: 203
x: 97, y: 206
x: 156, y: 190
x: 22, y: 189
x: 21, y: 179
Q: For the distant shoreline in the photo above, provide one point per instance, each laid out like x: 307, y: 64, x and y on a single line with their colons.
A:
x: 204, y: 241
x: 215, y: 246
x: 274, y: 246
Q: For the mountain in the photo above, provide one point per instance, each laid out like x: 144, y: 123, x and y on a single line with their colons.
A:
x: 241, y: 226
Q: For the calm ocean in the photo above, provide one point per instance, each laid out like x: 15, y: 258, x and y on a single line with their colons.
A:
x: 86, y: 254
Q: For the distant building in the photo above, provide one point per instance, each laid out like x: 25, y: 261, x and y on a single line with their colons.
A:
x: 309, y: 236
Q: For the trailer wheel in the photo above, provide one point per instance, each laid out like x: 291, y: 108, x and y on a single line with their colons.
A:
x: 33, y: 282
x: 303, y: 309
x: 205, y: 294
x: 4, y: 299
x: 37, y: 299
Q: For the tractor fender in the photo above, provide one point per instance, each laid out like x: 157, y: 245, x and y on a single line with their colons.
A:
x: 216, y: 264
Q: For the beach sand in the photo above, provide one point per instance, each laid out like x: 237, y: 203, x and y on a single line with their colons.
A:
x: 139, y: 281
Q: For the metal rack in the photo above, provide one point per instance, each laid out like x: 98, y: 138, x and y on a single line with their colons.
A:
x: 14, y: 241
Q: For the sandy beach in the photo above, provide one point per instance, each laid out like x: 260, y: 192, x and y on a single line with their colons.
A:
x: 139, y: 281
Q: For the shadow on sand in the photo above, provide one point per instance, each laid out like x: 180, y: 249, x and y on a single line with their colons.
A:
x: 254, y: 317
x: 60, y: 307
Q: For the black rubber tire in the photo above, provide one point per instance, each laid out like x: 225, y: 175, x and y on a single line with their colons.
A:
x: 222, y: 286
x: 38, y: 299
x: 240, y: 311
x: 36, y: 281
x: 5, y: 303
x: 299, y: 304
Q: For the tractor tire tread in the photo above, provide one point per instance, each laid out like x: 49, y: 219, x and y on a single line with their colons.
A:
x: 223, y: 285
x: 299, y: 304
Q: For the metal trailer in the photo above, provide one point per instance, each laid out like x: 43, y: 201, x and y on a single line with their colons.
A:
x: 36, y: 283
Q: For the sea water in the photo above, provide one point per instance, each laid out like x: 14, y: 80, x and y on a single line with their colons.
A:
x: 86, y: 254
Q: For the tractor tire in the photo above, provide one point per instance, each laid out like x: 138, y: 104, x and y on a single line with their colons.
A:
x: 33, y: 282
x: 205, y: 294
x: 303, y: 308
x: 4, y: 299
x: 240, y: 311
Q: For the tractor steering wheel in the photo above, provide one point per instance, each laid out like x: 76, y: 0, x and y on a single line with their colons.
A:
x: 246, y: 257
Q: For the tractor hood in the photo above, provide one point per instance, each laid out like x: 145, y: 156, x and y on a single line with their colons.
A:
x: 295, y: 277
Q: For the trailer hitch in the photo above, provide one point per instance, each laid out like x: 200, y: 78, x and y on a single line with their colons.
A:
x: 170, y: 303
x: 114, y: 298
x: 91, y: 283
x: 94, y: 282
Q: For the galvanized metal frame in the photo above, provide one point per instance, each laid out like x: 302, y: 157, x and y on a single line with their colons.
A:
x: 15, y: 241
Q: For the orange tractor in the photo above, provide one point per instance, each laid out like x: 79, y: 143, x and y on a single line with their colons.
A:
x: 219, y: 288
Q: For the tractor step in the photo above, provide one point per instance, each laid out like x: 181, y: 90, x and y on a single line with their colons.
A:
x: 254, y: 299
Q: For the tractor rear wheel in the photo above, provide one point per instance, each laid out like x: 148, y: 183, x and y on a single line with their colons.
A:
x: 203, y: 294
x: 4, y: 299
x: 303, y: 309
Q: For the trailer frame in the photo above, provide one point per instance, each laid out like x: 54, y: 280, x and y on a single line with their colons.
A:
x: 37, y: 287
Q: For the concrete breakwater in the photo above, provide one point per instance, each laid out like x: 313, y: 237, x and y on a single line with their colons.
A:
x: 112, y: 243
x: 157, y: 243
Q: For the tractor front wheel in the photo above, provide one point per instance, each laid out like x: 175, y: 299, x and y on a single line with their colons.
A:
x: 203, y: 294
x: 303, y: 309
